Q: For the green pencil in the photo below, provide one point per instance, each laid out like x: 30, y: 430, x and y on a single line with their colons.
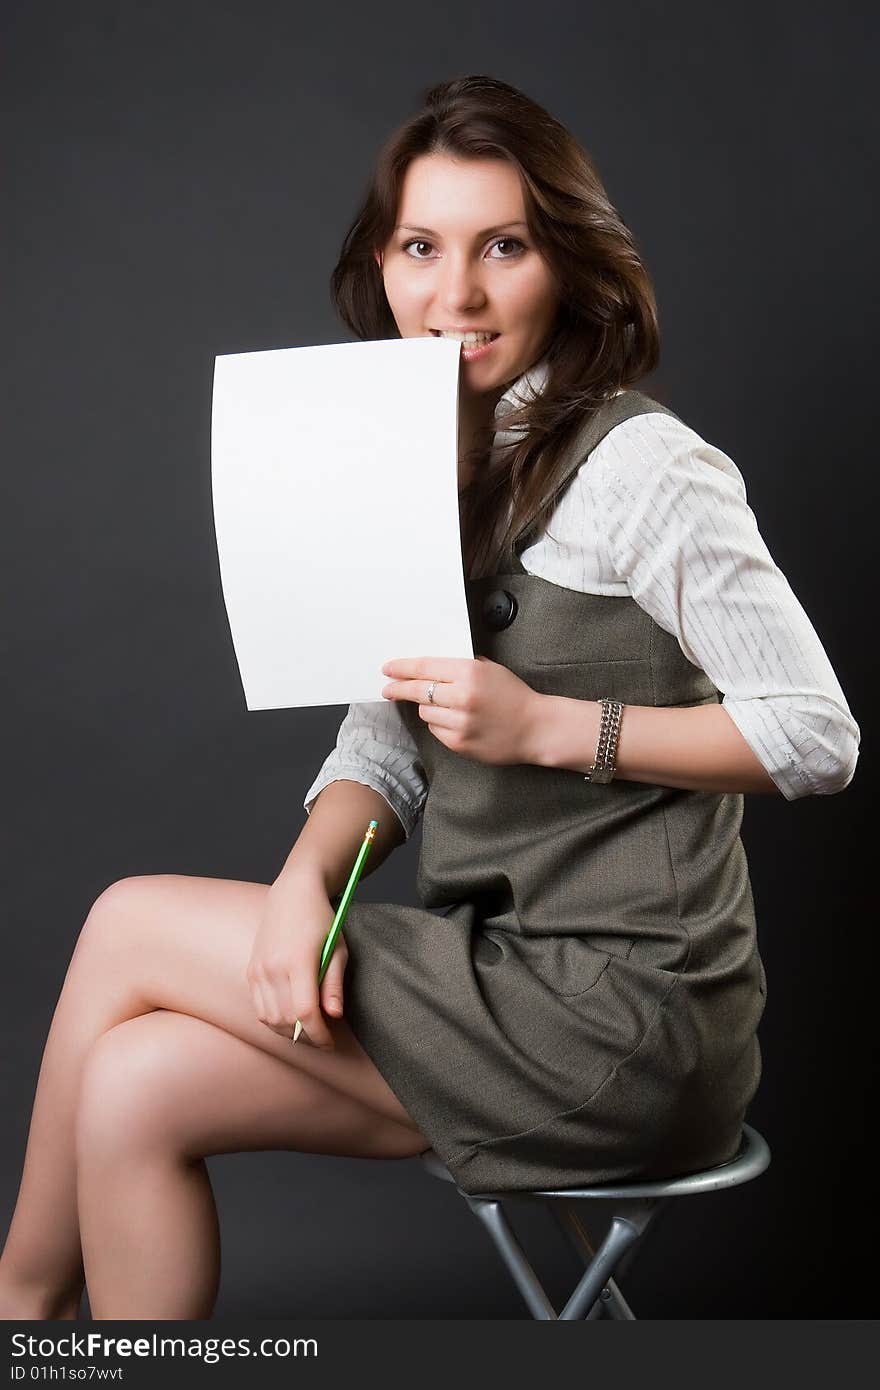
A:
x: 341, y: 910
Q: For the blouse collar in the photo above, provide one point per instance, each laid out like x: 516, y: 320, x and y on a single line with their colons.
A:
x: 526, y: 388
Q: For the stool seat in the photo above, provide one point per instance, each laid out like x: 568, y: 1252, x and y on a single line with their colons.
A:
x: 633, y: 1207
x: 750, y: 1160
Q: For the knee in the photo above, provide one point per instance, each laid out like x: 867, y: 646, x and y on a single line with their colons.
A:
x: 125, y: 1101
x: 123, y: 904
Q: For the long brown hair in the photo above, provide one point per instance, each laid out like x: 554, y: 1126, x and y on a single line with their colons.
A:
x: 606, y: 335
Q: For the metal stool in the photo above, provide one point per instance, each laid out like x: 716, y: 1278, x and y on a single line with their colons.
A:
x: 633, y: 1207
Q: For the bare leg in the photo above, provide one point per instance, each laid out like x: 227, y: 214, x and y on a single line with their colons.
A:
x: 157, y: 942
x: 159, y: 1092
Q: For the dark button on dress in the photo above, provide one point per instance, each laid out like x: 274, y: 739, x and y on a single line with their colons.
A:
x: 586, y: 1007
x: 499, y: 609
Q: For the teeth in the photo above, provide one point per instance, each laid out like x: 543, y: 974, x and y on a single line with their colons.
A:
x: 469, y: 338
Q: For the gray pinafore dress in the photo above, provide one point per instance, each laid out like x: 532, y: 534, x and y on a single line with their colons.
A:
x: 577, y: 1000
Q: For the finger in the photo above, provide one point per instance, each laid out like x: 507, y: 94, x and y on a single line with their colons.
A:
x: 447, y: 695
x: 315, y: 1028
x: 441, y: 668
x: 259, y: 999
x: 439, y: 715
x: 331, y: 986
x: 308, y: 1011
x: 265, y: 1012
x: 279, y: 1016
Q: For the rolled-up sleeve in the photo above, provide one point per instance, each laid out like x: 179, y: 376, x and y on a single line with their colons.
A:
x: 375, y: 747
x: 681, y: 532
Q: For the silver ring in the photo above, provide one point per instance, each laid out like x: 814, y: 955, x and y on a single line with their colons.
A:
x: 430, y: 699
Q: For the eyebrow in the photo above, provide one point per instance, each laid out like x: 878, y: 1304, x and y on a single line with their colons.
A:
x: 487, y: 231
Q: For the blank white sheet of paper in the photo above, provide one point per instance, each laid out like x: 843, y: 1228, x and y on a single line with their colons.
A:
x: 334, y: 474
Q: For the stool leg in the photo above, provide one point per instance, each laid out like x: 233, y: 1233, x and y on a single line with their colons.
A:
x: 611, y: 1302
x: 513, y: 1255
x: 629, y: 1221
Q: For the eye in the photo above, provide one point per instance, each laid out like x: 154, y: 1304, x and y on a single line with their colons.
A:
x: 509, y: 241
x: 499, y: 241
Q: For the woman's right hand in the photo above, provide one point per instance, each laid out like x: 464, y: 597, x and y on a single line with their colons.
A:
x: 282, y: 972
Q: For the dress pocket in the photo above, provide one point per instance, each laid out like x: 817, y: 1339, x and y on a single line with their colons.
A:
x: 570, y: 627
x: 625, y: 679
x: 567, y: 965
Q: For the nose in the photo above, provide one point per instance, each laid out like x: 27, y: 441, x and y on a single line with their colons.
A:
x: 461, y: 286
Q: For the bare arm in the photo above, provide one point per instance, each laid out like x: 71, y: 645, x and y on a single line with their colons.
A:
x: 697, y: 747
x: 328, y: 843
x: 282, y: 971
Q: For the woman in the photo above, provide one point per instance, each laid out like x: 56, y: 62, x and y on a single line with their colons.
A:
x: 587, y: 1007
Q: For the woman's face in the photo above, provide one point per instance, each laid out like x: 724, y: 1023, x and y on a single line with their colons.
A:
x: 462, y: 257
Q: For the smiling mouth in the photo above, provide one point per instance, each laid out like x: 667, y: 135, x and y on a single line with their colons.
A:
x: 464, y: 337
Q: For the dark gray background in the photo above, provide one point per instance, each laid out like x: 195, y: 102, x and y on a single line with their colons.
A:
x: 179, y: 179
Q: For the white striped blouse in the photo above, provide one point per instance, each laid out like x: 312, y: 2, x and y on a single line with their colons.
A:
x: 659, y: 514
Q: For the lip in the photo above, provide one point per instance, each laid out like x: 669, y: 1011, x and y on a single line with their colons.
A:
x: 457, y: 328
x: 471, y: 354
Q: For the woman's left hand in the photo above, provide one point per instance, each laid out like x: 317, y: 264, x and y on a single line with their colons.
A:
x: 480, y: 709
